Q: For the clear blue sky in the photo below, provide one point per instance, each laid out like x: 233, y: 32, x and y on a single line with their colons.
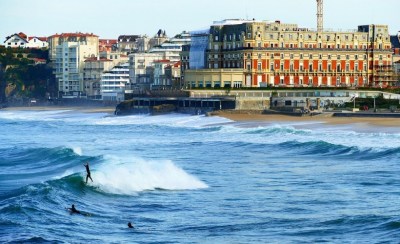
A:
x: 109, y: 19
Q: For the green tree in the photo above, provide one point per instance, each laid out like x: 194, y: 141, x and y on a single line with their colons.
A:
x: 29, y: 80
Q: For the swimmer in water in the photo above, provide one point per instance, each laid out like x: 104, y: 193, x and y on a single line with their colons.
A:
x: 73, y: 209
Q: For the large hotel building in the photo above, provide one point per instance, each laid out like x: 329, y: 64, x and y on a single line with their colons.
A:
x: 250, y: 53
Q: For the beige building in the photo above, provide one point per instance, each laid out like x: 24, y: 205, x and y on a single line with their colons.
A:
x: 92, y: 71
x: 68, y: 52
x: 138, y: 64
x: 276, y: 54
x: 94, y: 68
x: 214, y: 78
x: 82, y: 38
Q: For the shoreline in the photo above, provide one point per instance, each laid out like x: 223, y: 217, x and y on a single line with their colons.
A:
x: 239, y: 117
x: 376, y: 121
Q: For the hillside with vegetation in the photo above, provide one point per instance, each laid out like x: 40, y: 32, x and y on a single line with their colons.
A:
x: 22, y: 77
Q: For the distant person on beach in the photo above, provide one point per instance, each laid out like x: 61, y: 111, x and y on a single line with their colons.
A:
x: 73, y: 209
x: 130, y: 225
x: 88, y: 172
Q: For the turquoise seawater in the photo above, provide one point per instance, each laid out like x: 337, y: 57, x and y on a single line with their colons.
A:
x: 195, y: 179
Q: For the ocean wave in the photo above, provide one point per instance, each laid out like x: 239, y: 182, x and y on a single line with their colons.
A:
x: 323, y: 148
x: 37, y: 160
x: 140, y: 175
x: 166, y: 120
x: 253, y: 129
x: 27, y: 166
x: 34, y: 239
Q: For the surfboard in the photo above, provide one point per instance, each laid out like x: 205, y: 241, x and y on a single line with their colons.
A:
x: 80, y: 212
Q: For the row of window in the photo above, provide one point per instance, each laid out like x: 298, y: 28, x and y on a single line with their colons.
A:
x: 301, y: 56
x: 234, y: 45
x: 311, y: 68
x: 310, y: 81
x: 301, y: 68
x: 295, y: 36
x: 16, y: 44
x: 290, y: 36
x: 292, y: 56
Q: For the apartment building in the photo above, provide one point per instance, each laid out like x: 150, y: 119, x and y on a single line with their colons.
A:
x: 108, y: 45
x: 160, y: 78
x: 250, y: 53
x: 88, y: 39
x: 94, y: 68
x: 68, y: 51
x: 145, y: 43
x: 92, y: 72
x: 112, y: 83
x: 173, y: 75
x: 138, y: 67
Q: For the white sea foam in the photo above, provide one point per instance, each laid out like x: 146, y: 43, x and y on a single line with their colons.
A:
x: 31, y: 115
x: 141, y: 175
x: 64, y: 115
x: 172, y: 120
x: 77, y: 150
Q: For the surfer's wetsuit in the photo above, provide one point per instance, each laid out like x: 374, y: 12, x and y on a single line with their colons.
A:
x: 74, y: 210
x: 88, y: 172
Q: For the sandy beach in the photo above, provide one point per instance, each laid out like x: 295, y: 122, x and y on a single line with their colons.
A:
x: 387, y: 122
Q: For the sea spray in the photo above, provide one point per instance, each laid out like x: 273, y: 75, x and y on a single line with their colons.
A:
x: 77, y: 150
x: 141, y: 175
x: 168, y: 120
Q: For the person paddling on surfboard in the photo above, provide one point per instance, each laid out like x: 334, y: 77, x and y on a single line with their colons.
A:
x: 130, y: 225
x: 87, y: 172
x: 73, y: 209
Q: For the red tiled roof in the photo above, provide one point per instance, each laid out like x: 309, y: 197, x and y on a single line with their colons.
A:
x: 39, y: 60
x: 177, y: 64
x: 162, y: 61
x: 22, y: 35
x: 108, y: 41
x: 43, y: 39
x: 77, y: 34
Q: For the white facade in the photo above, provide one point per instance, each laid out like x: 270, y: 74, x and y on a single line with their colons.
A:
x: 70, y: 57
x: 15, y: 41
x: 112, y: 83
x: 36, y: 42
x: 138, y: 62
x: 159, y: 73
x: 171, y: 50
